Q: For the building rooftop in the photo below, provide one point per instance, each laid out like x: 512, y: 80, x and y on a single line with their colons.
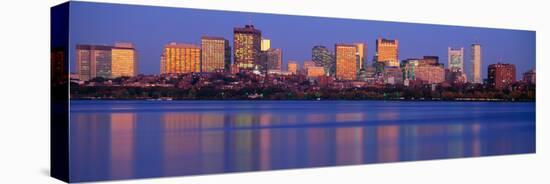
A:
x: 181, y: 45
x: 212, y: 38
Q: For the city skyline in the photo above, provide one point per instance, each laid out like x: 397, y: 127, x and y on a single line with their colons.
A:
x: 505, y: 46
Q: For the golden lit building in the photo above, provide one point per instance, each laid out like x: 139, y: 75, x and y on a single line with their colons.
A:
x: 247, y: 46
x: 362, y: 54
x: 501, y: 75
x: 346, y: 61
x: 266, y: 44
x: 216, y: 54
x: 475, y: 70
x: 292, y: 67
x: 124, y: 60
x: 315, y: 71
x: 387, y: 52
x: 181, y: 58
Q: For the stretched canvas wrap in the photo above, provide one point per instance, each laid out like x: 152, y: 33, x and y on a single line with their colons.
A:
x: 143, y: 91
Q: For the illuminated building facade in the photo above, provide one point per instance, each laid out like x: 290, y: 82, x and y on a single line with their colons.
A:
x: 346, y: 61
x: 501, y: 75
x: 181, y: 58
x: 456, y: 59
x: 247, y: 46
x: 475, y: 70
x: 428, y: 70
x: 315, y: 71
x: 274, y: 59
x: 322, y: 57
x: 292, y: 67
x: 215, y: 54
x: 361, y: 54
x: 266, y: 44
x: 124, y: 60
x: 387, y: 52
x: 93, y: 61
x: 431, y: 74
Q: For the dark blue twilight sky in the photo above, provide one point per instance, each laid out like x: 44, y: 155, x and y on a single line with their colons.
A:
x: 150, y: 28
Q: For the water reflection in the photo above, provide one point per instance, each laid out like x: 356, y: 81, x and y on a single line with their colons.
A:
x: 122, y: 144
x: 130, y: 141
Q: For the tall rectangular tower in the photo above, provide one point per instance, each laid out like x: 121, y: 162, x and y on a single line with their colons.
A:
x: 247, y: 46
x: 456, y: 59
x: 93, y: 61
x: 215, y: 54
x: 475, y: 70
x: 387, y: 52
x: 346, y: 61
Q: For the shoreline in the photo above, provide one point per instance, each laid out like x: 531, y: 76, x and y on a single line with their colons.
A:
x: 313, y: 100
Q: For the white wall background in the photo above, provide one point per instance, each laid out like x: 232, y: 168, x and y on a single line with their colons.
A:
x: 24, y: 90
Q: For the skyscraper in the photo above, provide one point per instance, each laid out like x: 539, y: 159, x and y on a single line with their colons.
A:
x: 346, y: 61
x: 247, y: 46
x: 274, y: 59
x: 456, y: 59
x: 456, y: 65
x: 124, y: 60
x: 361, y: 54
x: 475, y: 70
x: 215, y: 54
x: 266, y: 44
x: 387, y: 52
x: 501, y: 75
x: 93, y: 61
x: 181, y: 58
x: 322, y: 57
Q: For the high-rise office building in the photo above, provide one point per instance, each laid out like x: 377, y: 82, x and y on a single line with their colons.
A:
x: 322, y: 57
x: 247, y: 46
x: 124, y: 60
x: 93, y: 61
x: 475, y: 69
x: 501, y: 75
x: 456, y: 59
x: 181, y: 58
x: 346, y: 61
x: 387, y: 52
x: 456, y: 65
x: 215, y: 54
x: 361, y: 55
x: 266, y: 44
x: 274, y: 59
